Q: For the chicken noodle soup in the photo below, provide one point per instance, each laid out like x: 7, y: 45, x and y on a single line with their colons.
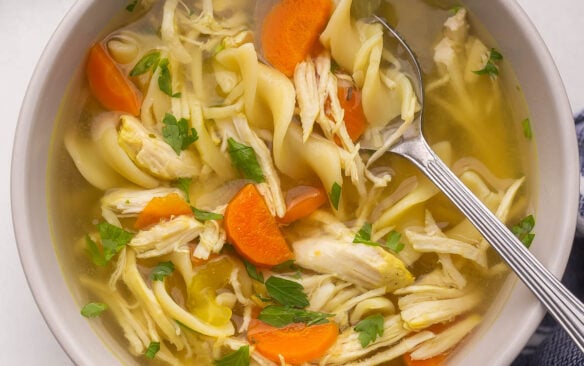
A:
x: 218, y: 208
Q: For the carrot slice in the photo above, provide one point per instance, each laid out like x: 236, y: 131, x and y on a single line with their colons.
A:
x: 301, y: 201
x: 355, y: 121
x: 253, y: 231
x: 160, y: 208
x: 291, y: 30
x: 109, y: 85
x: 297, y: 342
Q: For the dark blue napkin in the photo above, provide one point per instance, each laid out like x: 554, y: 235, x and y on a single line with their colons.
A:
x: 550, y: 345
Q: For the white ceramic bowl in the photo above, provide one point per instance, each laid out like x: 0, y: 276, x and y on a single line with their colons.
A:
x: 516, y: 313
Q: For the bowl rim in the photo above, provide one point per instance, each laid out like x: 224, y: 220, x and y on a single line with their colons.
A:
x: 21, y: 213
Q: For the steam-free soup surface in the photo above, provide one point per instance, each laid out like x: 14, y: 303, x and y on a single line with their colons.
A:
x: 210, y: 202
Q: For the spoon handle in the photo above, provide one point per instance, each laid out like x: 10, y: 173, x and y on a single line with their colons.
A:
x: 559, y: 301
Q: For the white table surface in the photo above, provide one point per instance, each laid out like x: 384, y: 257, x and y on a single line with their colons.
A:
x: 25, y: 28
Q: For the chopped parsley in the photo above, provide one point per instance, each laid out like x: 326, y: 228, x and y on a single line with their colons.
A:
x: 244, y: 159
x: 527, y: 131
x: 132, y: 6
x: 184, y: 184
x: 148, y: 62
x: 161, y: 270
x: 237, y: 358
x: 287, y: 292
x: 176, y: 133
x: 522, y: 230
x: 491, y: 67
x: 113, y: 239
x: 93, y: 309
x: 393, y: 241
x: 165, y: 79
x: 202, y: 215
x: 369, y: 329
x: 253, y: 272
x: 152, y: 350
x: 335, y: 195
x: 280, y: 316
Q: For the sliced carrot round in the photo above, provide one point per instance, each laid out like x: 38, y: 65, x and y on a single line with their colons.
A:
x: 291, y: 30
x: 301, y: 201
x: 297, y: 342
x: 160, y: 208
x: 109, y: 85
x: 253, y: 231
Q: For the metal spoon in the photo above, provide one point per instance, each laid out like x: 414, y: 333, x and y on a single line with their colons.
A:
x: 559, y: 301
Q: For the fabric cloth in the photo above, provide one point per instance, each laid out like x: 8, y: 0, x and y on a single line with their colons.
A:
x: 550, y: 345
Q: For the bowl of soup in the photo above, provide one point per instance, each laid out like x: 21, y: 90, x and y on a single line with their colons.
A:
x: 189, y: 187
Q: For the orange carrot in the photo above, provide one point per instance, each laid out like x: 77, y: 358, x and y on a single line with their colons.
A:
x: 253, y: 230
x: 160, y: 208
x: 109, y: 85
x: 350, y: 99
x: 291, y: 30
x: 297, y: 343
x: 301, y: 201
x: 433, y: 361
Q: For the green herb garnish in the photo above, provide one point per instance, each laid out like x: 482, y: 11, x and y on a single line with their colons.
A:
x: 363, y: 236
x: 177, y: 134
x: 369, y: 329
x: 335, y: 195
x: 393, y: 242
x: 184, y: 184
x: 244, y: 159
x: 161, y: 270
x: 93, y: 309
x: 165, y: 79
x: 491, y: 68
x: 522, y: 230
x: 280, y: 316
x: 253, y: 272
x: 202, y: 215
x: 287, y: 266
x: 131, y: 6
x: 287, y: 292
x: 113, y: 239
x: 152, y: 350
x: 527, y: 131
x: 146, y: 63
x: 237, y: 358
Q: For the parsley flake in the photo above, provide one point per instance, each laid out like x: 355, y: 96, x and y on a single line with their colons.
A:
x: 202, y: 215
x: 491, y: 68
x: 165, y: 79
x: 244, y: 159
x: 176, y: 133
x: 393, y: 242
x: 253, y: 272
x: 184, y: 184
x: 93, y: 309
x: 237, y: 358
x: 363, y: 236
x: 522, y: 230
x: 146, y: 63
x: 113, y: 239
x: 132, y: 6
x: 369, y: 329
x: 527, y: 131
x: 280, y: 316
x: 152, y: 350
x: 335, y: 195
x: 161, y: 270
x: 287, y: 292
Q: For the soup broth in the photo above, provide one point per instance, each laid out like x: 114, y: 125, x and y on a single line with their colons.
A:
x: 209, y: 202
